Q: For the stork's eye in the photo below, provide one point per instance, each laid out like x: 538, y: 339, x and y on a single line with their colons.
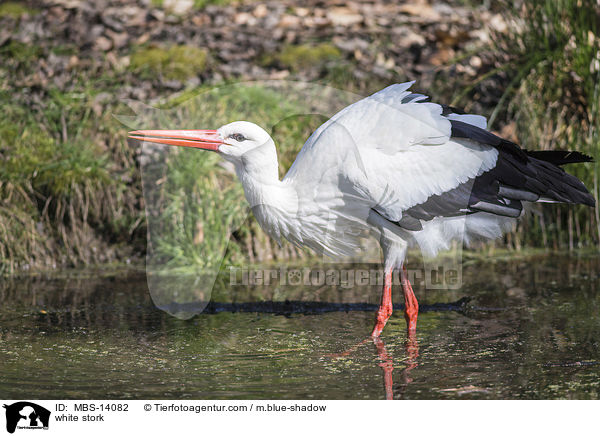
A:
x: 238, y: 137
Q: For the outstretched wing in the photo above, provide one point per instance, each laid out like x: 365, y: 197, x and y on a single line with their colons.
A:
x: 391, y: 150
x: 412, y: 161
x: 519, y: 175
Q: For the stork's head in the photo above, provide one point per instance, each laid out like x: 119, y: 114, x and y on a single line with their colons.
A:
x: 232, y: 140
x: 245, y: 144
x: 241, y: 137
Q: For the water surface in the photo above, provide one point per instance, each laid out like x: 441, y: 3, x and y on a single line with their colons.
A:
x: 531, y: 330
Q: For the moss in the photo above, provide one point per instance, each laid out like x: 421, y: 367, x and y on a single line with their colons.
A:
x: 341, y: 75
x: 198, y: 4
x: 177, y: 62
x: 64, y: 50
x: 299, y: 57
x: 14, y: 9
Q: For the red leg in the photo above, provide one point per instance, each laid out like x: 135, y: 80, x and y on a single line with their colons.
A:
x: 411, y: 305
x: 386, y: 307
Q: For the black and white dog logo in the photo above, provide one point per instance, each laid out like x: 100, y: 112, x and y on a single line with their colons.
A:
x: 26, y: 415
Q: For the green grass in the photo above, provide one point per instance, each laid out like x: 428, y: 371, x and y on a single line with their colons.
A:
x: 69, y: 194
x: 177, y: 62
x: 554, y: 98
x: 20, y: 54
x: 63, y: 197
x: 553, y: 59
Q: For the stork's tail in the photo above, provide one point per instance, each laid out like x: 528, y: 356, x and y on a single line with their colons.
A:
x: 564, y: 187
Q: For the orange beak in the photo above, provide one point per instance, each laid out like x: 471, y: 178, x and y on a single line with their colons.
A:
x: 204, y: 139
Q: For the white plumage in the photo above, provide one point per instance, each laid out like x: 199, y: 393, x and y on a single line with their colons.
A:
x: 387, y: 152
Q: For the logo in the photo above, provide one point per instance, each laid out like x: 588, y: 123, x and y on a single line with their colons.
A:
x: 26, y: 415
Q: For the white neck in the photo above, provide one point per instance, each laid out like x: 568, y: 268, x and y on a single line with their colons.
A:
x: 260, y: 164
x: 271, y: 200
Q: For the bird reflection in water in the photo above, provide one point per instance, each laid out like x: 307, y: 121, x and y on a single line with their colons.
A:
x: 386, y: 363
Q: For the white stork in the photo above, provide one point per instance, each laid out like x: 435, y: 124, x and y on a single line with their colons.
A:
x: 409, y: 171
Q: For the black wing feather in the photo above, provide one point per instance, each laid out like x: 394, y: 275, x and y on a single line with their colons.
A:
x: 519, y: 175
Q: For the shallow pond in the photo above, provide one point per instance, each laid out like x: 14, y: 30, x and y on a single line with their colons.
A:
x: 530, y: 330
